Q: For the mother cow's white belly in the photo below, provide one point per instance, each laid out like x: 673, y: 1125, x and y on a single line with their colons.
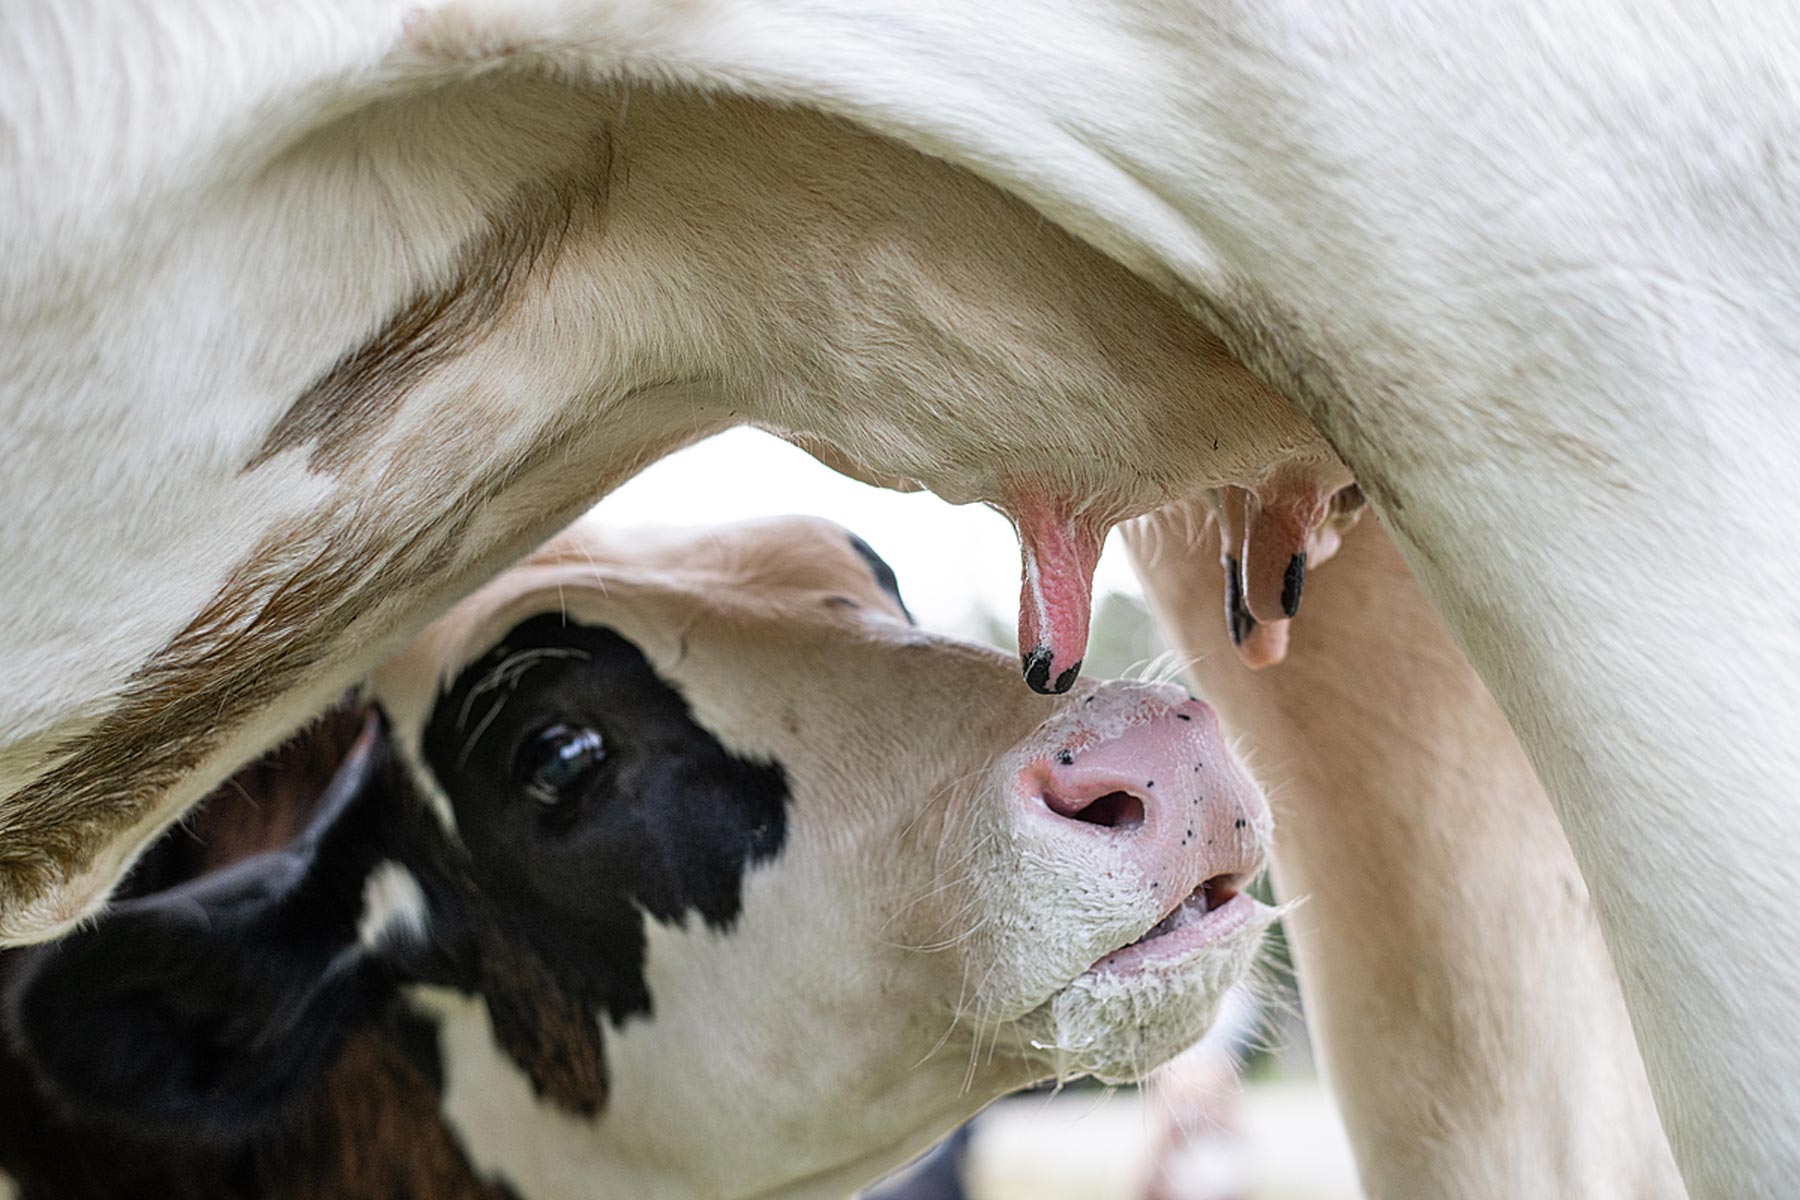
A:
x: 1532, y: 268
x: 1531, y: 274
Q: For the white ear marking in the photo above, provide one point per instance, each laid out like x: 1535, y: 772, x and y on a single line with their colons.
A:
x: 394, y: 907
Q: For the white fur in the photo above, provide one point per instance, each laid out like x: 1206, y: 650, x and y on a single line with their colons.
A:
x: 730, y: 279
x: 919, y: 945
x: 1529, y: 267
x: 394, y: 907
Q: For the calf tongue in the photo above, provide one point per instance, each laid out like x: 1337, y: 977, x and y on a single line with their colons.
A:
x: 1056, y: 594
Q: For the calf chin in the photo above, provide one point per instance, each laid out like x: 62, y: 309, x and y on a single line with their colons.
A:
x: 1120, y: 1028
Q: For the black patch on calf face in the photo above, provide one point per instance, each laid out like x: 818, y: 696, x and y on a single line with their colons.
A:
x: 586, y: 796
x: 204, y: 1012
x: 237, y: 1015
x: 884, y: 574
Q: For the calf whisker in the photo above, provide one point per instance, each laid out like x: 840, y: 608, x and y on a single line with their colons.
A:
x: 955, y: 1020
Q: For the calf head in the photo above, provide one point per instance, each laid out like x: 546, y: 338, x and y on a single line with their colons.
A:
x: 833, y: 863
x: 719, y: 877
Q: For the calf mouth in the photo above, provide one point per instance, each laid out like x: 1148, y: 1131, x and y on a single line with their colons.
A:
x: 1212, y: 912
x: 1157, y: 994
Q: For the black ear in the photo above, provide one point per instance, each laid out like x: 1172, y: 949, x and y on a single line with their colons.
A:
x: 208, y: 1010
x: 885, y: 578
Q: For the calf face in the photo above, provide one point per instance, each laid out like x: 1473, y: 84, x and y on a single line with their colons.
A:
x: 835, y: 881
x: 719, y: 877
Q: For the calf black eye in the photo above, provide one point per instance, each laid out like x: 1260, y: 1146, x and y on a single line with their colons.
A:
x: 557, y: 760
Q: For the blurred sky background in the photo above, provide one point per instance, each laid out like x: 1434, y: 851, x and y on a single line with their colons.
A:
x: 958, y: 566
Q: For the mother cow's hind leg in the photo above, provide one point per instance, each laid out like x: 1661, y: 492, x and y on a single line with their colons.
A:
x: 1468, y: 1013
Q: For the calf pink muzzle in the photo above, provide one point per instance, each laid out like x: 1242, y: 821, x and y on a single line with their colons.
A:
x: 1166, y: 794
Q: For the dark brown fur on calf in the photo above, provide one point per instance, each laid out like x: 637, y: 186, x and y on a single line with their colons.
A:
x: 371, y: 1132
x: 370, y: 1127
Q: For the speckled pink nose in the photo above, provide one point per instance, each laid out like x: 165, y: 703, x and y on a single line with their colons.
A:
x: 1164, y: 792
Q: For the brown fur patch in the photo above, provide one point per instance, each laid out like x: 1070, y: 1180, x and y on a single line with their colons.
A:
x: 371, y: 1130
x: 362, y: 391
x: 288, y: 604
x: 542, y: 1026
x: 280, y: 616
x: 267, y: 804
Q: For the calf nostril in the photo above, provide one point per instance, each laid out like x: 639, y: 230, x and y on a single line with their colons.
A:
x: 1114, y: 810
